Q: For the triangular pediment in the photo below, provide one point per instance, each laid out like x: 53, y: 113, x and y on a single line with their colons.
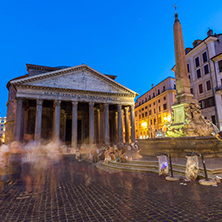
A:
x: 75, y: 78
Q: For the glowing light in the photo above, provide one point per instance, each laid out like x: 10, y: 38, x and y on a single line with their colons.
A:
x: 144, y: 124
x: 169, y: 118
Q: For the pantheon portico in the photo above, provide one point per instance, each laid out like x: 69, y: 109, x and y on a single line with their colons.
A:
x: 75, y: 105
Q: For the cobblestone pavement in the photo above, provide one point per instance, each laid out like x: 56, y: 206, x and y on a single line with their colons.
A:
x: 77, y: 191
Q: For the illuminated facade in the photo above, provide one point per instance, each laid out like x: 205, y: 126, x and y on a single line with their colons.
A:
x: 2, y: 128
x: 204, y: 64
x: 153, y: 109
x: 72, y: 104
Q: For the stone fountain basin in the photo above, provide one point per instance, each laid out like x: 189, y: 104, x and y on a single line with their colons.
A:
x: 180, y: 146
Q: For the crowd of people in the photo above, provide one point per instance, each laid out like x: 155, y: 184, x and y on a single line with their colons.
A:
x: 118, y: 153
x: 28, y: 162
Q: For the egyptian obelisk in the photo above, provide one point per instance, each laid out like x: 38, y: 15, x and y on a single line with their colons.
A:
x: 186, y: 115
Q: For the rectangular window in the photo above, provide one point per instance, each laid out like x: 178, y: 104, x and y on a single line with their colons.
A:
x: 158, y: 91
x: 197, y: 62
x: 154, y: 121
x: 154, y: 110
x: 150, y: 112
x: 145, y: 107
x: 153, y: 95
x: 220, y: 65
x: 174, y: 86
x: 206, y: 69
x: 189, y: 76
x: 204, y: 56
x: 164, y: 98
x: 159, y: 108
x: 145, y: 99
x: 164, y: 88
x: 188, y: 68
x: 208, y: 85
x: 149, y: 97
x: 151, y: 122
x: 158, y: 100
x: 191, y: 91
x: 145, y: 113
x: 198, y: 73
x: 200, y: 88
x: 164, y: 106
x: 150, y: 105
x: 154, y: 103
x: 142, y: 115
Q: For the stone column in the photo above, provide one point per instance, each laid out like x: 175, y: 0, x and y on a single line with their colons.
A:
x: 74, y: 123
x: 56, y: 131
x: 101, y: 124
x: 116, y: 127
x: 98, y: 126
x: 126, y: 124
x: 38, y: 120
x: 106, y: 115
x: 218, y: 107
x: 132, y: 116
x: 120, y: 123
x: 91, y: 123
x: 18, y: 121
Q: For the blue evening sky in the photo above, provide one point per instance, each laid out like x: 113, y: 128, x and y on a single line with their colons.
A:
x: 130, y: 39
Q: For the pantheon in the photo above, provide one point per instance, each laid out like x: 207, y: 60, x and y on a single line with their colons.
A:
x: 74, y: 105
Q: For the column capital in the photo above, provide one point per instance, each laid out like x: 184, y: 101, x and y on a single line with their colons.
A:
x: 57, y: 102
x: 91, y: 104
x: 126, y: 108
x: 74, y: 104
x: 106, y: 105
x: 39, y: 102
x: 19, y: 100
x: 119, y: 107
x: 132, y: 107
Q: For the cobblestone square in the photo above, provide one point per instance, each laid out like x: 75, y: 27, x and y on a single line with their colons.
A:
x: 78, y: 191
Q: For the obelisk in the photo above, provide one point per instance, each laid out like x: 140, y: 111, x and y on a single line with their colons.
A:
x: 186, y: 113
x: 182, y: 80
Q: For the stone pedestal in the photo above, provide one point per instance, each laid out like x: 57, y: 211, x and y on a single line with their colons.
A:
x: 187, y: 121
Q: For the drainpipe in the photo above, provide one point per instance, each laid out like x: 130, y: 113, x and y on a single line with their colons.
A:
x: 216, y: 114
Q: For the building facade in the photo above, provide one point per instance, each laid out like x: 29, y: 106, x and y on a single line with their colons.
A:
x: 2, y: 128
x: 153, y: 109
x: 75, y: 105
x: 204, y: 65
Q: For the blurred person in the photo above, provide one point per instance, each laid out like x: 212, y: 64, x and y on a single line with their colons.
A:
x: 15, y: 162
x: 27, y: 160
x: 4, y: 154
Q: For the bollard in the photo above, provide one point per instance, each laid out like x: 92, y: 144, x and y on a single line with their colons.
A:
x: 206, y: 181
x: 204, y: 166
x: 171, y: 166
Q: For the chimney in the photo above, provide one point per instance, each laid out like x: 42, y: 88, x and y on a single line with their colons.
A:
x: 210, y: 32
x: 152, y: 86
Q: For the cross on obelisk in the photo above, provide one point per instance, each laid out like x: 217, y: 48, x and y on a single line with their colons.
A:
x: 175, y: 8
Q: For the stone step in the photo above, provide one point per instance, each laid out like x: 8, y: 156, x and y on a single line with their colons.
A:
x: 130, y: 169
x: 136, y: 166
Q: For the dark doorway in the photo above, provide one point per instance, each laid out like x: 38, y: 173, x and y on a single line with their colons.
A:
x: 68, y: 131
x: 79, y: 133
